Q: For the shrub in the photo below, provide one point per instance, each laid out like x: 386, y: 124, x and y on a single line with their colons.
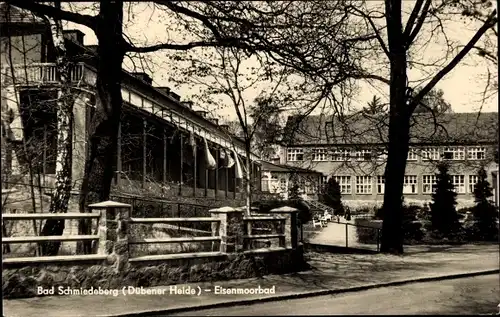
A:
x: 485, y: 227
x: 294, y: 190
x: 304, y: 214
x: 444, y: 216
x: 412, y: 228
x: 366, y: 231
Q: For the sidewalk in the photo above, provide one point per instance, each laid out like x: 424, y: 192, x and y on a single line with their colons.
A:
x: 330, y: 272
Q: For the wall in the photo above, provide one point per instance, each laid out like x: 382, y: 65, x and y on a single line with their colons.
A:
x: 23, y: 281
x: 20, y: 49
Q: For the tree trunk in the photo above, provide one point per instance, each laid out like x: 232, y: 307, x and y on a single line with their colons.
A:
x: 248, y: 177
x: 103, y: 132
x: 62, y: 192
x: 399, y: 130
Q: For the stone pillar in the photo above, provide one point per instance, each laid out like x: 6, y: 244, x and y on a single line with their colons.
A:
x: 230, y: 228
x: 291, y: 229
x: 113, y: 232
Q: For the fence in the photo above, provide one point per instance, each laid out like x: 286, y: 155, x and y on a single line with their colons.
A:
x: 346, y: 235
x: 39, y: 73
x: 230, y: 232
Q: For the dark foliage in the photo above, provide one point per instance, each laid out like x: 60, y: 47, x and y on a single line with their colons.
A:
x: 485, y: 226
x: 332, y: 197
x: 444, y: 216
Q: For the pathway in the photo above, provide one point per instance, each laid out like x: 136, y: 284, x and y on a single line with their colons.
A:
x: 335, y: 234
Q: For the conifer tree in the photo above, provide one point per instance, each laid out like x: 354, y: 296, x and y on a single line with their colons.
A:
x: 485, y: 213
x: 444, y: 216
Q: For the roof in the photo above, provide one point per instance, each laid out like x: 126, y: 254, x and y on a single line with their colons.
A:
x: 11, y: 14
x: 361, y: 128
x: 271, y: 167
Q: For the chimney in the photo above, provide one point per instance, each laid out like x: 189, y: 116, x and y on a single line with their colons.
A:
x: 187, y: 104
x: 175, y: 96
x: 74, y: 35
x: 225, y: 127
x: 144, y: 77
x: 165, y: 90
x: 202, y: 113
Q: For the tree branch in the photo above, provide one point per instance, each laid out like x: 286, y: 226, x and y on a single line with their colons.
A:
x: 413, y: 18
x: 371, y: 76
x: 55, y: 13
x: 203, y: 19
x: 492, y: 20
x: 410, y: 36
x: 180, y: 47
x: 377, y: 33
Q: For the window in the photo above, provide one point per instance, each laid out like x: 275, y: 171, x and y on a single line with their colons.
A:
x: 473, y: 179
x: 410, y: 184
x: 430, y: 154
x: 295, y: 155
x: 363, y: 184
x: 341, y: 155
x: 283, y: 184
x: 324, y: 179
x: 381, y: 155
x: 412, y: 155
x: 265, y: 183
x: 458, y: 183
x: 344, y: 183
x: 319, y: 155
x: 380, y: 184
x: 364, y: 155
x: 453, y: 153
x: 428, y: 184
x: 476, y: 153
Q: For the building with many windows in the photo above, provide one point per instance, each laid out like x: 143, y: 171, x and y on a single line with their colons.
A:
x: 277, y: 179
x: 353, y: 151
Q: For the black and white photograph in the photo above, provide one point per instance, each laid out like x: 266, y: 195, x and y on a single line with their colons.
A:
x: 249, y: 158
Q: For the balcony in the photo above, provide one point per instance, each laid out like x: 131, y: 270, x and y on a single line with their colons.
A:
x: 39, y: 74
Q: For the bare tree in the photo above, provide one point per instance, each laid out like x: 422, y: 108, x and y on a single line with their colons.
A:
x: 63, y: 181
x: 254, y: 91
x: 330, y: 42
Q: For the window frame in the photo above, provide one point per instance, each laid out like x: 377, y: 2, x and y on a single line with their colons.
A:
x: 413, y: 186
x: 436, y: 152
x: 364, y: 185
x: 364, y: 155
x: 460, y: 185
x: 316, y: 152
x: 432, y: 183
x: 380, y: 184
x: 471, y: 185
x: 293, y: 153
x: 412, y: 155
x: 476, y: 150
x: 345, y: 184
x: 457, y: 153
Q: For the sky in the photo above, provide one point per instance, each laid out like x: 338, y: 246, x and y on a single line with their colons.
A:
x: 463, y: 87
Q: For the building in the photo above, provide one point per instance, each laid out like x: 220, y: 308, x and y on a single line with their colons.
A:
x: 354, y: 152
x: 157, y: 130
x: 277, y: 179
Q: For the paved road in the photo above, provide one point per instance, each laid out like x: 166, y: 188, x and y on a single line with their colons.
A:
x: 476, y: 295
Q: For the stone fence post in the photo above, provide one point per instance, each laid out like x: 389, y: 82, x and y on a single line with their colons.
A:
x: 230, y: 228
x: 291, y: 229
x: 113, y: 232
